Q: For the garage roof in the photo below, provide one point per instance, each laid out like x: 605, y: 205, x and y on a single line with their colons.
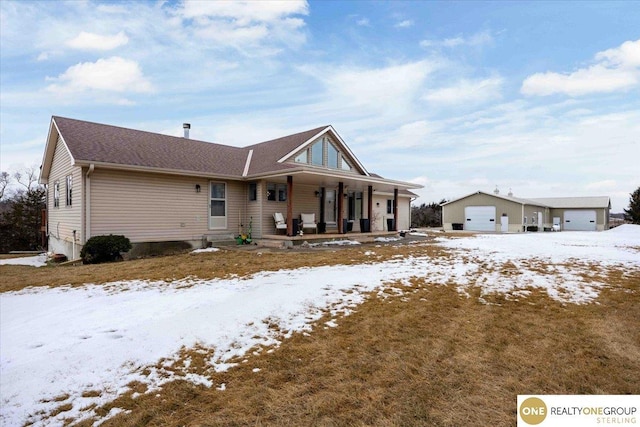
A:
x: 575, y: 202
x: 499, y: 196
x: 550, y: 202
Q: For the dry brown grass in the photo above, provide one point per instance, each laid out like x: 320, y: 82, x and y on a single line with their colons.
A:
x: 220, y: 264
x: 427, y: 357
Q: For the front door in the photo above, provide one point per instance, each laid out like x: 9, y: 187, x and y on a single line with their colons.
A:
x: 330, y: 207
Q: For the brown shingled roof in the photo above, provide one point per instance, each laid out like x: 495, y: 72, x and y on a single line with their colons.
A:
x: 94, y: 142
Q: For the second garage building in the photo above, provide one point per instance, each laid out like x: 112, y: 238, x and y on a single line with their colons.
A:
x: 481, y: 211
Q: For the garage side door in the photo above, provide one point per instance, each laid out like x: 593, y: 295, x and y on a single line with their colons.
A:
x: 580, y: 220
x: 480, y: 218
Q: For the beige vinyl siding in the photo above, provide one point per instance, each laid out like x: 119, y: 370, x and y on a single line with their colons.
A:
x: 149, y: 207
x: 379, y: 216
x: 254, y: 210
x: 304, y: 201
x: 62, y: 220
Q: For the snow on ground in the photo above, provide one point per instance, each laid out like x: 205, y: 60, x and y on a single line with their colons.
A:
x: 34, y: 261
x: 205, y: 250
x: 58, y: 343
x: 344, y: 242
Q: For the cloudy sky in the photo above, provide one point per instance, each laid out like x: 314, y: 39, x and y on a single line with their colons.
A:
x: 539, y: 97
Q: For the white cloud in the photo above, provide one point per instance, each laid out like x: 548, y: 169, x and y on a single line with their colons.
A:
x: 363, y: 22
x: 404, y: 24
x: 627, y: 55
x: 244, y: 12
x: 247, y: 25
x: 91, y: 41
x: 617, y: 69
x: 467, y: 91
x: 384, y: 92
x: 112, y: 74
x: 481, y: 38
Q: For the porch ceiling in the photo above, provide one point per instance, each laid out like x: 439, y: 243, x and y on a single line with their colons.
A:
x: 351, y: 182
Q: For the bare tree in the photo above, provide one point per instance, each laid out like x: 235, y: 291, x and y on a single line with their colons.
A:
x: 5, y: 180
x: 27, y: 177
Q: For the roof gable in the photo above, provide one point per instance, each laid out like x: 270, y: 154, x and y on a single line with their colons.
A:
x: 335, y: 139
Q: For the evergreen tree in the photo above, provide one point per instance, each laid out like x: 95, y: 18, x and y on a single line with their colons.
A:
x: 427, y: 215
x: 21, y: 220
x: 633, y: 213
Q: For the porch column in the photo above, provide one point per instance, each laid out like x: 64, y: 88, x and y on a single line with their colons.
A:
x: 340, y: 206
x: 395, y: 209
x: 370, y: 204
x: 290, y: 205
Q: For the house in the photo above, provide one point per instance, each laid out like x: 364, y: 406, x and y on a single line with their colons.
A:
x: 482, y: 211
x: 163, y: 190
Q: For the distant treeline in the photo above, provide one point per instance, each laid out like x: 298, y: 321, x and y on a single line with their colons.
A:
x: 427, y: 215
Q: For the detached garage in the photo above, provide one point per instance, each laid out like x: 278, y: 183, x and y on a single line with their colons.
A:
x: 488, y: 212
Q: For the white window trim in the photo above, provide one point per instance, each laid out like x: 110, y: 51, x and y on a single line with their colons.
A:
x: 226, y: 206
x: 69, y: 190
x: 56, y: 194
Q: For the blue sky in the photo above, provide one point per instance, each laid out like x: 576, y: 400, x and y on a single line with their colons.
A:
x: 542, y: 98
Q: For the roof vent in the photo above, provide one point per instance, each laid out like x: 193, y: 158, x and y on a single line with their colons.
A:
x: 510, y: 194
x: 496, y: 191
x: 186, y: 127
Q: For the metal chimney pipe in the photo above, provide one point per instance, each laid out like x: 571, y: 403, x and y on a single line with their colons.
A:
x: 186, y: 127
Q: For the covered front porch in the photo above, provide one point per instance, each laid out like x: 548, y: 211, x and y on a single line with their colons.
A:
x: 339, y: 203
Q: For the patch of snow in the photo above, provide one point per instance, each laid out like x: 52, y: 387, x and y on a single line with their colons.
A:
x: 331, y: 324
x: 54, y: 339
x: 387, y: 239
x: 335, y: 243
x: 205, y: 250
x: 221, y: 387
x: 34, y: 261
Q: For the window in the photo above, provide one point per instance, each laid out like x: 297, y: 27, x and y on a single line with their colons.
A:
x: 389, y: 206
x: 332, y: 156
x: 302, y: 157
x: 69, y: 189
x: 316, y: 153
x: 56, y: 194
x: 282, y: 193
x: 344, y: 165
x: 276, y: 192
x: 218, y: 206
x: 271, y: 192
x: 253, y: 191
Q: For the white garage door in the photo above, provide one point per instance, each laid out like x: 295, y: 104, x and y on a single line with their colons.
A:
x: 580, y: 220
x: 480, y: 218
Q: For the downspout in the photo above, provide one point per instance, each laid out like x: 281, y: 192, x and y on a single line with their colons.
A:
x: 87, y: 209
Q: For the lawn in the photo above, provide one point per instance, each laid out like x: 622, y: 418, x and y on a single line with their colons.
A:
x: 436, y: 331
